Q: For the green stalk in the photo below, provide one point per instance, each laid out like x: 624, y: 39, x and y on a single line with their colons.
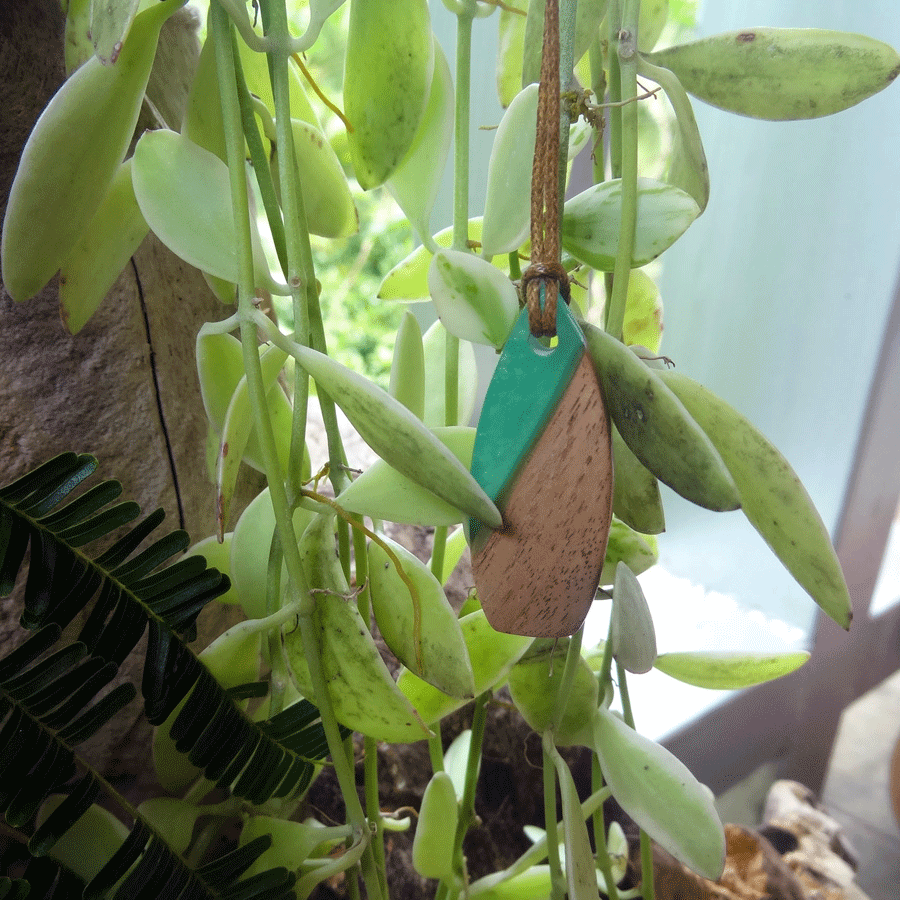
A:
x: 451, y: 380
x: 465, y: 15
x: 647, y: 887
x: 436, y: 749
x: 573, y: 658
x: 598, y: 87
x: 277, y: 662
x: 461, y: 127
x: 234, y: 140
x: 626, y: 54
x: 557, y: 876
x: 370, y: 745
x: 603, y: 862
x: 260, y: 161
x: 301, y: 277
x: 614, y: 18
x: 473, y: 766
x: 537, y: 852
x: 567, y: 11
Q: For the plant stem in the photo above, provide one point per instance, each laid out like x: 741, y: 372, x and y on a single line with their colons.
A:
x: 647, y: 887
x: 598, y: 87
x: 301, y: 277
x: 438, y: 551
x: 626, y: 56
x: 573, y: 658
x: 557, y: 876
x: 473, y: 767
x: 537, y: 853
x: 370, y: 746
x: 234, y: 140
x: 567, y: 10
x: 260, y: 162
x: 461, y: 127
x: 436, y: 749
x: 603, y: 861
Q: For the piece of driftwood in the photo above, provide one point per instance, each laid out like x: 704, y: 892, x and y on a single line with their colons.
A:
x: 798, y: 853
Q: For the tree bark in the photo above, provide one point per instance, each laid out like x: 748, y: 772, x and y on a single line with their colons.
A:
x: 124, y: 388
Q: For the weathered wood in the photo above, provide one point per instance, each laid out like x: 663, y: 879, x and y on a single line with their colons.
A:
x: 538, y: 575
x: 124, y: 388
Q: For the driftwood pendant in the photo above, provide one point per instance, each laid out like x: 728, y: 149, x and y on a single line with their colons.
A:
x: 543, y: 454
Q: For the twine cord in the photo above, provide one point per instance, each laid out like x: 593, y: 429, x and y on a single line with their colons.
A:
x: 545, y: 278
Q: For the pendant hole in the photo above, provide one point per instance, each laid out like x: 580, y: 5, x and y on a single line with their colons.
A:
x: 543, y: 346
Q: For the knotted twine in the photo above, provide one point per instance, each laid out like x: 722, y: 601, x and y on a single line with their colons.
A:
x: 546, y: 276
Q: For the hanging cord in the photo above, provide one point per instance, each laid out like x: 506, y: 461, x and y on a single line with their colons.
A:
x: 546, y: 276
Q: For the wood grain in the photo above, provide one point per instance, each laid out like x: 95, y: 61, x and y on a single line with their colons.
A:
x: 538, y: 575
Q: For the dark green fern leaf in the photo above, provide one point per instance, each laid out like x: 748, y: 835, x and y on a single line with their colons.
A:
x: 47, y: 695
x: 14, y: 888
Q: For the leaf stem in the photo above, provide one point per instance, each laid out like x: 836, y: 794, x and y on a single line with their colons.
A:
x: 537, y: 853
x: 598, y: 87
x: 234, y: 141
x: 464, y: 17
x: 567, y: 15
x: 564, y: 692
x: 301, y: 277
x: 473, y: 767
x: 557, y: 876
x: 647, y: 887
x: 603, y: 861
x: 259, y: 161
x: 626, y: 56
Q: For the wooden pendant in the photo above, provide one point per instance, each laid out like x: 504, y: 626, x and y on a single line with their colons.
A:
x: 543, y: 453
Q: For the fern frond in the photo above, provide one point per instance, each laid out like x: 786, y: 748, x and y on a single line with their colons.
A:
x: 134, y: 590
x: 47, y: 693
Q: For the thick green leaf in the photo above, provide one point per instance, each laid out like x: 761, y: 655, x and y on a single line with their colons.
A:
x: 631, y: 627
x: 408, y: 280
x: 637, y: 551
x: 661, y: 795
x: 772, y: 497
x: 384, y: 101
x: 408, y: 366
x: 534, y: 684
x: 509, y: 53
x: 492, y: 653
x: 110, y: 22
x: 441, y: 650
x: 381, y: 492
x: 725, y: 671
x: 184, y: 193
x: 103, y: 250
x: 507, y: 205
x: 782, y: 73
x: 415, y: 182
x: 72, y: 155
x: 398, y: 437
x: 581, y: 873
x: 329, y: 207
x: 590, y: 228
x: 90, y: 844
x: 656, y: 426
x: 363, y: 693
x: 474, y: 300
x: 636, y: 499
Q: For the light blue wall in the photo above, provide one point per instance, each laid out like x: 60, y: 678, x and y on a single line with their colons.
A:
x: 777, y: 297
